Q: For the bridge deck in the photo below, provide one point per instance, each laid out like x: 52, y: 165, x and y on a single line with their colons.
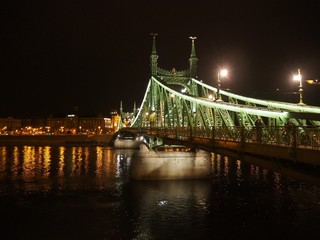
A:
x: 279, y: 142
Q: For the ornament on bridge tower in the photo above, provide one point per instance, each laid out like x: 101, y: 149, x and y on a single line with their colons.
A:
x: 154, y: 57
x: 193, y: 60
x: 174, y: 71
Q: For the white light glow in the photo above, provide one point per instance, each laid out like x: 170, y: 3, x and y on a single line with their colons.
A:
x: 224, y: 73
x: 297, y: 77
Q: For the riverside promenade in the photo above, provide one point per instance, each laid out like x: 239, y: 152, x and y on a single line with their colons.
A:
x: 63, y: 139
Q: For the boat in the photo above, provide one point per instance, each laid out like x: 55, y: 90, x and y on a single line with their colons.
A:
x: 167, y: 162
x: 129, y: 140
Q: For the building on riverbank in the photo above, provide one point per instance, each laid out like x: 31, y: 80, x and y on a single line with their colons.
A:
x: 61, y: 124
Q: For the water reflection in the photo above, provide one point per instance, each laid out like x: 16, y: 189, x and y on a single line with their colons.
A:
x: 32, y: 162
x: 124, y: 157
x: 240, y: 200
x: 61, y: 159
x: 56, y: 166
x: 156, y: 206
x: 3, y: 155
x: 47, y: 186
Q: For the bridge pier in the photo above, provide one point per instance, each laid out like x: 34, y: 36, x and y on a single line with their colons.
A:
x: 149, y: 164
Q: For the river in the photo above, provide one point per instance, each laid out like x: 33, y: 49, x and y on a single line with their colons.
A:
x: 84, y: 192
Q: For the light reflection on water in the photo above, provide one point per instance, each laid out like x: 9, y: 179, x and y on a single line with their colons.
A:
x: 34, y: 161
x: 31, y: 168
x: 90, y: 188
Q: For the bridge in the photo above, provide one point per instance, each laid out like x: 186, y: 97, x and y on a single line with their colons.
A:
x: 180, y: 108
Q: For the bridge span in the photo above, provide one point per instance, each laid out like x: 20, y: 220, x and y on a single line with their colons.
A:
x: 180, y: 108
x: 281, y: 143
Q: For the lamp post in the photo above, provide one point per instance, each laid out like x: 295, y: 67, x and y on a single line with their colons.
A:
x: 222, y: 73
x: 298, y: 77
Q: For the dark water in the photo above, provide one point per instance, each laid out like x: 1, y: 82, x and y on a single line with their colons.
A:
x: 85, y: 193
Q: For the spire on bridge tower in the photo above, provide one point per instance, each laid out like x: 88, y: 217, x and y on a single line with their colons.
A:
x: 154, y: 57
x: 193, y: 60
x: 121, y: 109
x: 134, y: 109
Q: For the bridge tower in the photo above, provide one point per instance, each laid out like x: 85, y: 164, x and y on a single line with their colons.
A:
x: 162, y: 108
x: 154, y: 57
x: 174, y: 76
x: 193, y: 60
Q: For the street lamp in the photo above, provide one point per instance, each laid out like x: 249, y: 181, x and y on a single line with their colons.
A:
x: 298, y: 77
x: 222, y: 73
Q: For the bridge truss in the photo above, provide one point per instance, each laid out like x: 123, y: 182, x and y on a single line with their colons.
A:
x: 178, y: 106
x: 192, y: 103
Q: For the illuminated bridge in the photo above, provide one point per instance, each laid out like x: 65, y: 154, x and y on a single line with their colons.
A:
x: 182, y: 109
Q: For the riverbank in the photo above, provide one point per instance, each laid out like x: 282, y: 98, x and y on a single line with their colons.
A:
x: 67, y: 139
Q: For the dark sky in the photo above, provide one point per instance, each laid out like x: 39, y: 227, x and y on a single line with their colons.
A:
x: 56, y: 55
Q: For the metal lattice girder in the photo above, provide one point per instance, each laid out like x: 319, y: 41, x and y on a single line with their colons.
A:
x: 302, y: 112
x: 175, y: 108
x: 243, y: 118
x: 198, y: 105
x: 225, y: 117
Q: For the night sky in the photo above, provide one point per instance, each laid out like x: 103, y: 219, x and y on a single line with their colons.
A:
x: 57, y: 56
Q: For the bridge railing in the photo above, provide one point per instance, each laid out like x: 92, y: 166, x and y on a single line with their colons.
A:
x: 294, y: 136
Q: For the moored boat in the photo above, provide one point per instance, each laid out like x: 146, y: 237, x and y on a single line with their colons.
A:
x: 170, y: 162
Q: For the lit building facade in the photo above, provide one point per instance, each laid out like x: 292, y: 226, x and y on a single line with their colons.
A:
x: 62, y: 124
x: 8, y: 125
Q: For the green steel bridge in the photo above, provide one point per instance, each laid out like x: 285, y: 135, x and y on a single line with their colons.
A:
x: 182, y: 109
